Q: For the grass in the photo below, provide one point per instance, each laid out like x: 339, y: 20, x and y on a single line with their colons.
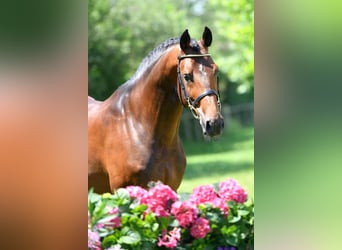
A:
x: 231, y: 156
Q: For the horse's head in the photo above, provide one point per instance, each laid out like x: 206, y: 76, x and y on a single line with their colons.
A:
x: 198, y: 82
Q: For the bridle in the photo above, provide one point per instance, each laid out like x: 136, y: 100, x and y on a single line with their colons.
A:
x: 193, y: 104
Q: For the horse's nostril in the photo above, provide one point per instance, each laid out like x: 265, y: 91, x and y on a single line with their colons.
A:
x: 214, y: 127
x: 208, y: 125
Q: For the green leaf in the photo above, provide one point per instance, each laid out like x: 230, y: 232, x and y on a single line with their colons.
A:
x: 243, y: 212
x: 231, y: 240
x: 103, y: 232
x: 121, y: 196
x: 164, y: 221
x: 235, y: 219
x: 109, y: 240
x: 93, y: 197
x: 214, y: 217
x: 150, y: 218
x: 107, y: 218
x: 174, y: 223
x: 99, y: 211
x: 139, y: 209
x: 155, y: 227
x: 91, y: 208
x: 132, y: 238
x: 230, y: 230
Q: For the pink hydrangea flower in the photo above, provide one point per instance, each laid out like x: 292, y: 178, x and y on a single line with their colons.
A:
x: 115, y: 222
x: 222, y: 205
x: 99, y: 225
x: 185, y: 212
x: 231, y: 190
x: 137, y: 193
x: 93, y: 240
x: 108, y: 221
x: 200, y: 228
x: 203, y: 194
x: 159, y: 199
x: 169, y: 240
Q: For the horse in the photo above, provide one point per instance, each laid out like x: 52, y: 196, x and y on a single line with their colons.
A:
x: 133, y: 134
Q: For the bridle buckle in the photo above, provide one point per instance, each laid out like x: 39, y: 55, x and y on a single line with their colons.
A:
x: 192, y: 109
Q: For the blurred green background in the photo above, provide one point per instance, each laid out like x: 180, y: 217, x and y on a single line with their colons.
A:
x: 122, y: 32
x: 298, y: 139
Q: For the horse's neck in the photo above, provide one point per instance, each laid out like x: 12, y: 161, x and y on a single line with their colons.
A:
x: 154, y: 101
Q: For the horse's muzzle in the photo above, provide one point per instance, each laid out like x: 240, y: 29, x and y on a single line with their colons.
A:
x: 214, y: 127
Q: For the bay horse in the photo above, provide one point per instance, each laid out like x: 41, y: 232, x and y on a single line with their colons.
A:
x: 133, y: 135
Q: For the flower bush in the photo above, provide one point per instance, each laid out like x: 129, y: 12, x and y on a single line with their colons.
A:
x: 134, y: 218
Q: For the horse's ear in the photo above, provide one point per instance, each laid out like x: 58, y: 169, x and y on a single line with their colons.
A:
x: 207, y: 37
x: 185, y: 40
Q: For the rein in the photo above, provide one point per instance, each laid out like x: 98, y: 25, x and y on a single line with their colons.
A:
x: 193, y: 104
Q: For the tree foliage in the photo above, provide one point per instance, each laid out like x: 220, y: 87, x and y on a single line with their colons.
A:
x: 234, y: 23
x: 122, y: 32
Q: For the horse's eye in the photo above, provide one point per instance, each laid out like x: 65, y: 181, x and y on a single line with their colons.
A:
x: 188, y: 77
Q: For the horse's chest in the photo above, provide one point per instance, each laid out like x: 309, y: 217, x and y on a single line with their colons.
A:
x: 155, y: 158
x: 158, y: 162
